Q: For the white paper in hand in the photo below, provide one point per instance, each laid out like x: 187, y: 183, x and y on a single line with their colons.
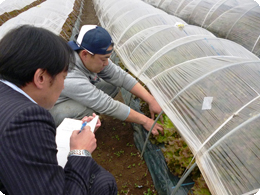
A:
x: 93, y: 123
x: 63, y: 133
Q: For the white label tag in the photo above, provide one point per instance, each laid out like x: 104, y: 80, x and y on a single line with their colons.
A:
x: 207, y: 103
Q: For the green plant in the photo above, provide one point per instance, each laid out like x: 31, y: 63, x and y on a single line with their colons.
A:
x: 200, y: 187
x: 117, y: 137
x: 133, y: 154
x: 176, y: 152
x: 128, y: 144
x: 149, y: 192
x: 124, y: 191
x: 119, y: 153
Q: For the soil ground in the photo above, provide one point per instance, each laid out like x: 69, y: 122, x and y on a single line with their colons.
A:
x: 116, y: 150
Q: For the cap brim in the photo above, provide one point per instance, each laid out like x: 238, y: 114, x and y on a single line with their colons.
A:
x: 74, y: 46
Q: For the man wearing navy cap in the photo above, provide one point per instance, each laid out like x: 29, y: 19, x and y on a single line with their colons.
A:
x: 95, y: 80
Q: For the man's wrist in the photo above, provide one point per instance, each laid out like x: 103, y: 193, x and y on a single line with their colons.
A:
x: 151, y: 100
x: 79, y: 153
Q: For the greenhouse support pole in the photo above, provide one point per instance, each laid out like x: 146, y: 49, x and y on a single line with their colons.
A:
x: 183, y: 178
x: 150, y: 133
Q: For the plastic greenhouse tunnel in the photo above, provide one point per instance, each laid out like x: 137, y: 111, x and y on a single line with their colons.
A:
x: 50, y: 14
x: 236, y: 20
x: 9, y: 6
x: 207, y: 86
x: 199, y: 59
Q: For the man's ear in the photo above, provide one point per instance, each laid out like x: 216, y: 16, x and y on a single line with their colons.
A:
x: 83, y: 53
x: 39, y: 78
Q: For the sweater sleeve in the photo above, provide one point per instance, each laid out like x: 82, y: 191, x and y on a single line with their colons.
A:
x: 117, y: 76
x: 28, y: 158
x: 79, y: 88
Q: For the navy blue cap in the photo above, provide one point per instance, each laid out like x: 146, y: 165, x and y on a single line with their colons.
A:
x: 94, y: 39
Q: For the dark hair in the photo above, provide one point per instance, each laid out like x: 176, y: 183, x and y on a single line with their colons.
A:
x: 25, y: 49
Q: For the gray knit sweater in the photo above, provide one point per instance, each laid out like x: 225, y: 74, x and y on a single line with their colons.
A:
x: 79, y: 86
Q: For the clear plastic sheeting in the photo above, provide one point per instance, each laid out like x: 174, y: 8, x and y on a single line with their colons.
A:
x: 51, y: 14
x: 11, y: 5
x: 236, y: 20
x: 207, y: 86
x: 163, y: 180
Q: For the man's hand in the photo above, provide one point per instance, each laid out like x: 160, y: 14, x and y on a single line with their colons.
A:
x: 147, y: 122
x: 157, y: 127
x: 85, y: 140
x: 90, y: 118
x: 155, y: 108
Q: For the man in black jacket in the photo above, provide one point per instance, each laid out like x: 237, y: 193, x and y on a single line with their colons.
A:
x: 33, y: 65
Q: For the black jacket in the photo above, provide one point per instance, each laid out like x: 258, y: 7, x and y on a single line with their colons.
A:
x: 28, y: 163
